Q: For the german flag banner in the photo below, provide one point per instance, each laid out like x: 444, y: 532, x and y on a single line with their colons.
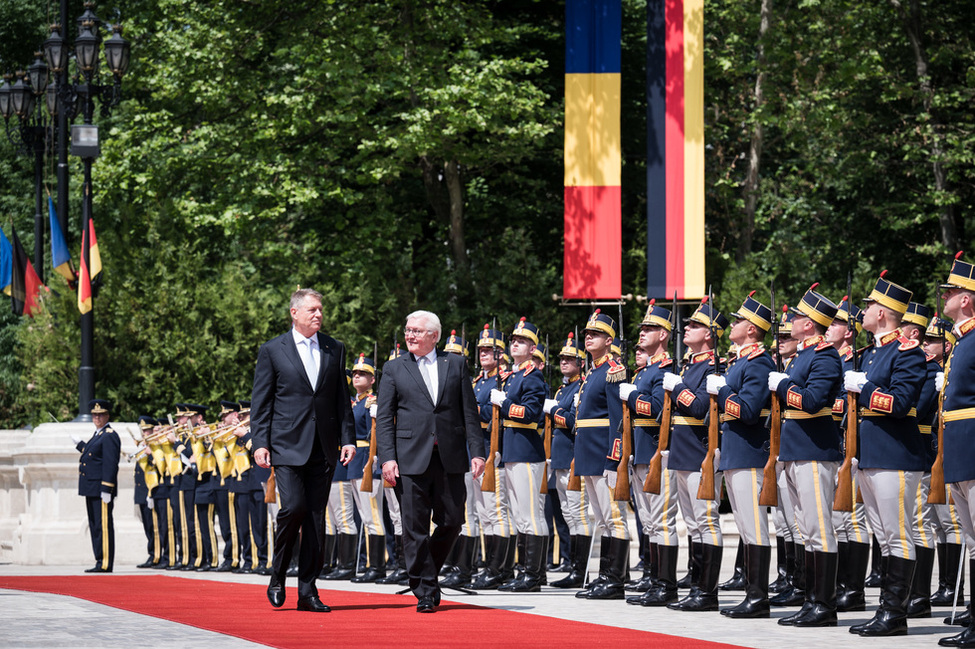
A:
x: 592, y: 150
x: 675, y: 149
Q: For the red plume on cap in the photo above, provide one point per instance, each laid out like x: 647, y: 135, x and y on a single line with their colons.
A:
x: 522, y: 319
x: 845, y: 298
x: 596, y: 312
x: 453, y: 332
x: 785, y: 308
x: 883, y: 272
x: 653, y: 301
x: 752, y: 294
x: 486, y: 326
x: 362, y: 355
x: 570, y: 335
x: 959, y: 254
x: 813, y: 287
x: 704, y: 300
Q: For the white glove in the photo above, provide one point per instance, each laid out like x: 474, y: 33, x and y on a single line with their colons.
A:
x: 670, y: 381
x: 854, y: 463
x: 939, y: 381
x: 854, y: 381
x: 497, y: 459
x: 106, y: 497
x: 549, y: 406
x: 611, y: 479
x: 373, y: 409
x: 575, y: 400
x: 186, y: 461
x: 774, y: 378
x: 626, y: 389
x: 75, y: 439
x: 497, y: 397
x: 150, y: 503
x: 715, y: 383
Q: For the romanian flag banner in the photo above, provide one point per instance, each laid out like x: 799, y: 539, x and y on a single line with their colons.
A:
x: 60, y: 257
x: 25, y: 284
x: 675, y: 149
x: 593, y: 157
x: 91, y: 266
x: 6, y: 263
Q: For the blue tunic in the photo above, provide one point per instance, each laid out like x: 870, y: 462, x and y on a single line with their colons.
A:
x: 483, y: 385
x: 98, y: 464
x: 598, y: 418
x: 363, y: 433
x: 815, y: 377
x: 927, y: 410
x: 745, y: 402
x: 959, y: 401
x: 689, y: 439
x: 646, y: 402
x: 889, y: 436
x: 563, y: 425
x: 522, y: 412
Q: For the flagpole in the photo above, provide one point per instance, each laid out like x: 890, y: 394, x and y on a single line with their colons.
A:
x: 39, y: 208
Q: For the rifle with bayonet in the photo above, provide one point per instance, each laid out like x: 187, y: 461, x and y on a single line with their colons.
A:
x: 366, y: 483
x: 622, y: 489
x: 705, y: 490
x: 843, y: 502
x: 936, y: 494
x: 652, y: 483
x: 489, y: 480
x: 548, y: 427
x: 769, y: 496
x: 575, y: 482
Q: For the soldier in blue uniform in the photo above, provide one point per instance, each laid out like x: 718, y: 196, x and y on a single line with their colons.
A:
x: 597, y: 452
x: 398, y: 573
x: 98, y: 483
x: 891, y: 448
x: 146, y: 479
x: 743, y: 398
x: 658, y: 512
x: 688, y: 446
x: 523, y: 454
x: 492, y: 504
x: 810, y: 451
x: 574, y: 504
x: 958, y: 415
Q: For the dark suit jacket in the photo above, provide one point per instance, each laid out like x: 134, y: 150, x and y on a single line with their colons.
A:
x: 98, y: 466
x: 408, y: 422
x: 287, y: 414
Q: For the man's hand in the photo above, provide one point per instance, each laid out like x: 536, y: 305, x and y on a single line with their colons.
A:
x: 263, y: 458
x: 715, y: 382
x: 76, y: 439
x: 854, y: 381
x: 348, y: 452
x: 391, y: 471
x: 774, y: 378
x: 670, y: 381
x: 106, y: 497
x: 373, y: 410
x: 939, y: 381
x: 549, y: 405
x: 150, y: 503
x: 498, y: 397
x: 626, y: 389
x: 477, y: 467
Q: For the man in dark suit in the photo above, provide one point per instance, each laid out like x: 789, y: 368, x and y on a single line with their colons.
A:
x: 301, y: 414
x: 98, y: 483
x: 428, y: 434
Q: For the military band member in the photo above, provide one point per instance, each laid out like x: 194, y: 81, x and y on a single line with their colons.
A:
x: 203, y: 501
x: 161, y: 505
x: 810, y: 451
x: 146, y: 479
x: 523, y: 454
x: 658, y: 512
x: 238, y: 486
x: 688, y: 446
x: 98, y: 483
x: 597, y: 452
x: 573, y: 504
x: 743, y: 399
x: 957, y: 411
x: 852, y: 537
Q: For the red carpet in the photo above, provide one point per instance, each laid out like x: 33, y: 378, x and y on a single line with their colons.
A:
x: 357, y: 619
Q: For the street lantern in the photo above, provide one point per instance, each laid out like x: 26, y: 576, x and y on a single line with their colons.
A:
x: 37, y: 73
x: 86, y: 49
x: 6, y: 108
x: 51, y: 97
x: 21, y: 97
x: 54, y: 50
x: 117, y: 52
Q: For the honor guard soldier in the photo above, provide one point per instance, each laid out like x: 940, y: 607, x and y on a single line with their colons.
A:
x: 146, y: 479
x: 539, y: 359
x: 688, y: 447
x: 492, y: 504
x: 810, y: 451
x: 598, y: 449
x: 573, y: 504
x: 341, y: 532
x: 368, y: 503
x: 523, y: 454
x: 938, y: 342
x: 891, y: 449
x: 743, y: 399
x: 658, y: 512
x: 398, y: 574
x: 852, y: 537
x: 98, y: 483
x: 958, y: 415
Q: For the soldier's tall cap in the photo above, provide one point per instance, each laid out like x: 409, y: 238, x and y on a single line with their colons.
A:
x: 571, y: 348
x: 917, y: 314
x: 490, y: 338
x: 785, y: 322
x: 455, y: 344
x: 755, y: 312
x: 843, y: 313
x: 527, y: 330
x: 962, y: 274
x: 396, y: 353
x: 939, y: 327
x: 541, y: 352
x: 893, y: 296
x: 602, y: 323
x: 657, y: 316
x: 706, y: 314
x: 227, y: 407
x: 100, y: 407
x: 364, y: 364
x: 616, y: 347
x: 816, y: 307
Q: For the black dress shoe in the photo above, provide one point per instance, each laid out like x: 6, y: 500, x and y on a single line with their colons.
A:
x: 175, y: 566
x: 162, y: 565
x: 204, y: 568
x: 312, y: 604
x: 293, y: 572
x: 148, y: 563
x: 97, y: 569
x: 263, y: 571
x: 226, y: 566
x: 243, y: 570
x: 275, y: 595
x: 426, y: 605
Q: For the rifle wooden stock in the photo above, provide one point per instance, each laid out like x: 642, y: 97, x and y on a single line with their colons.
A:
x: 936, y: 495
x: 622, y: 489
x: 769, y: 497
x: 705, y: 490
x: 575, y: 482
x: 843, y: 501
x: 269, y: 489
x: 489, y: 481
x: 652, y: 484
x: 366, y: 484
x: 548, y: 454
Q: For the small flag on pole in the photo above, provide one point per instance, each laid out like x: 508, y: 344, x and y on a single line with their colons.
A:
x: 25, y: 283
x: 60, y: 257
x: 6, y: 263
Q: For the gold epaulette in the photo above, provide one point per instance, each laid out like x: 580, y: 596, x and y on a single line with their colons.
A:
x: 616, y: 372
x: 907, y: 343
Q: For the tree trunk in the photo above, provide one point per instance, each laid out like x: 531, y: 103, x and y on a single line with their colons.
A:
x: 911, y: 17
x: 455, y: 192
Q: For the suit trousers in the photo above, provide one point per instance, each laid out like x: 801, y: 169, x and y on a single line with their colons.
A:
x: 440, y: 495
x: 101, y: 526
x: 303, y: 492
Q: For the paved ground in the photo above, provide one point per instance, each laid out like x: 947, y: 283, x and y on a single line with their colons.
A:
x: 33, y: 621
